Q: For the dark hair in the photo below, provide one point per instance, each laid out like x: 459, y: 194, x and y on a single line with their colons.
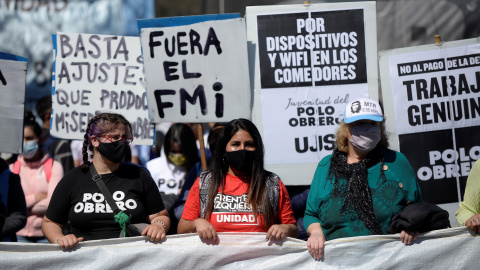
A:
x: 100, y: 124
x: 29, y: 121
x: 183, y: 135
x: 44, y: 106
x: 257, y: 190
x: 34, y: 126
x: 28, y: 116
x: 214, y: 135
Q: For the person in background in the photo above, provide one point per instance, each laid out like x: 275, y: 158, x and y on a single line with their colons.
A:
x: 362, y: 185
x: 13, y: 208
x: 59, y: 150
x: 145, y: 153
x: 39, y: 175
x: 237, y: 175
x: 469, y: 212
x: 134, y: 155
x: 298, y: 198
x: 206, y: 128
x: 196, y: 170
x: 161, y: 130
x: 76, y: 147
x: 107, y: 136
x: 170, y: 169
x: 8, y: 157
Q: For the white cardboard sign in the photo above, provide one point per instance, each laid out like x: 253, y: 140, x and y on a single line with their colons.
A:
x: 98, y: 73
x: 198, y: 72
x: 13, y: 72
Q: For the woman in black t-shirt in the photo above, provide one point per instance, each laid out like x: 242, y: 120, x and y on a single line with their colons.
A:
x: 78, y: 200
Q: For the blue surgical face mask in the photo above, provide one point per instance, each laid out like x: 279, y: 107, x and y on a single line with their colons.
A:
x: 30, y: 148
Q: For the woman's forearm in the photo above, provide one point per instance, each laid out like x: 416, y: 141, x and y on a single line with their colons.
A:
x: 161, y: 217
x: 186, y: 226
x: 51, y: 230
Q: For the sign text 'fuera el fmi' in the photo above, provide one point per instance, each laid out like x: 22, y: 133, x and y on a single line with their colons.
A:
x: 197, y: 72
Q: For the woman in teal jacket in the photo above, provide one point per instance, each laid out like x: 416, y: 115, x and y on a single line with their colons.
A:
x: 362, y: 185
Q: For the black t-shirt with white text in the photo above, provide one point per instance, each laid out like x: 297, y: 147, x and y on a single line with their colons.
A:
x: 78, y: 199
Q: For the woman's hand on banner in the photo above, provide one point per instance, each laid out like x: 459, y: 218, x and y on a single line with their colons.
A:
x: 280, y: 231
x: 473, y: 223
x: 68, y: 241
x: 407, y: 237
x: 205, y: 230
x: 316, y: 241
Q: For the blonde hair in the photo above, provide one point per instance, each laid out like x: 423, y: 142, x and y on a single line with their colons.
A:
x: 342, y: 136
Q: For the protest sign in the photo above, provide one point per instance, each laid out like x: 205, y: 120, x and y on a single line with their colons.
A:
x: 310, y: 61
x: 197, y: 69
x: 13, y: 72
x: 432, y: 103
x: 98, y: 73
x: 27, y: 26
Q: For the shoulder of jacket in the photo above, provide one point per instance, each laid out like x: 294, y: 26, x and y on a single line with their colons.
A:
x: 391, y: 156
x: 325, y: 161
x: 271, y: 175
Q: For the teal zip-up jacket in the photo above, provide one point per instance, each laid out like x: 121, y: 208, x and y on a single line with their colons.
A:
x: 389, y: 198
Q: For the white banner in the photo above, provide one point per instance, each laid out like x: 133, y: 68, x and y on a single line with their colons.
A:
x: 436, y: 89
x: 13, y: 71
x: 197, y: 72
x: 442, y: 249
x: 97, y: 73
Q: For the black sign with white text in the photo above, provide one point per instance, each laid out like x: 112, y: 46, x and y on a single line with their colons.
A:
x: 312, y: 49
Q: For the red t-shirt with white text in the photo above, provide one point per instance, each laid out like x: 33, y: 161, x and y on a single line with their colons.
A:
x: 230, y: 210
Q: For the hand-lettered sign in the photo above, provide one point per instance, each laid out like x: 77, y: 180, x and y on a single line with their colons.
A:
x: 197, y: 72
x: 97, y: 73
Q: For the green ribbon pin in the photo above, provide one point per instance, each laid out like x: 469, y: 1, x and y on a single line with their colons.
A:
x: 123, y: 220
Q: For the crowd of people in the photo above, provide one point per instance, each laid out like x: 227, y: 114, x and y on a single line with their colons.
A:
x: 65, y: 192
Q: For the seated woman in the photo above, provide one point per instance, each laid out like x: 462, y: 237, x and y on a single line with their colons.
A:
x: 79, y: 201
x: 469, y: 212
x: 226, y: 198
x: 362, y: 185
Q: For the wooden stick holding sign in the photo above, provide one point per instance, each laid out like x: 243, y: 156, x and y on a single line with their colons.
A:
x: 203, y: 156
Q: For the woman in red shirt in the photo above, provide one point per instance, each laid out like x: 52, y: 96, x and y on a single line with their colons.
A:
x: 226, y: 198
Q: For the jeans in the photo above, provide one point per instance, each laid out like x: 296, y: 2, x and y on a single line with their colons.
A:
x: 32, y: 239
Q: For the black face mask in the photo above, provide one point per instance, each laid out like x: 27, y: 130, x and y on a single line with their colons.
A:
x: 113, y: 151
x: 240, y: 160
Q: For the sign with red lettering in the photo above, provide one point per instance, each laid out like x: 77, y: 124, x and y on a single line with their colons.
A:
x: 98, y: 73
